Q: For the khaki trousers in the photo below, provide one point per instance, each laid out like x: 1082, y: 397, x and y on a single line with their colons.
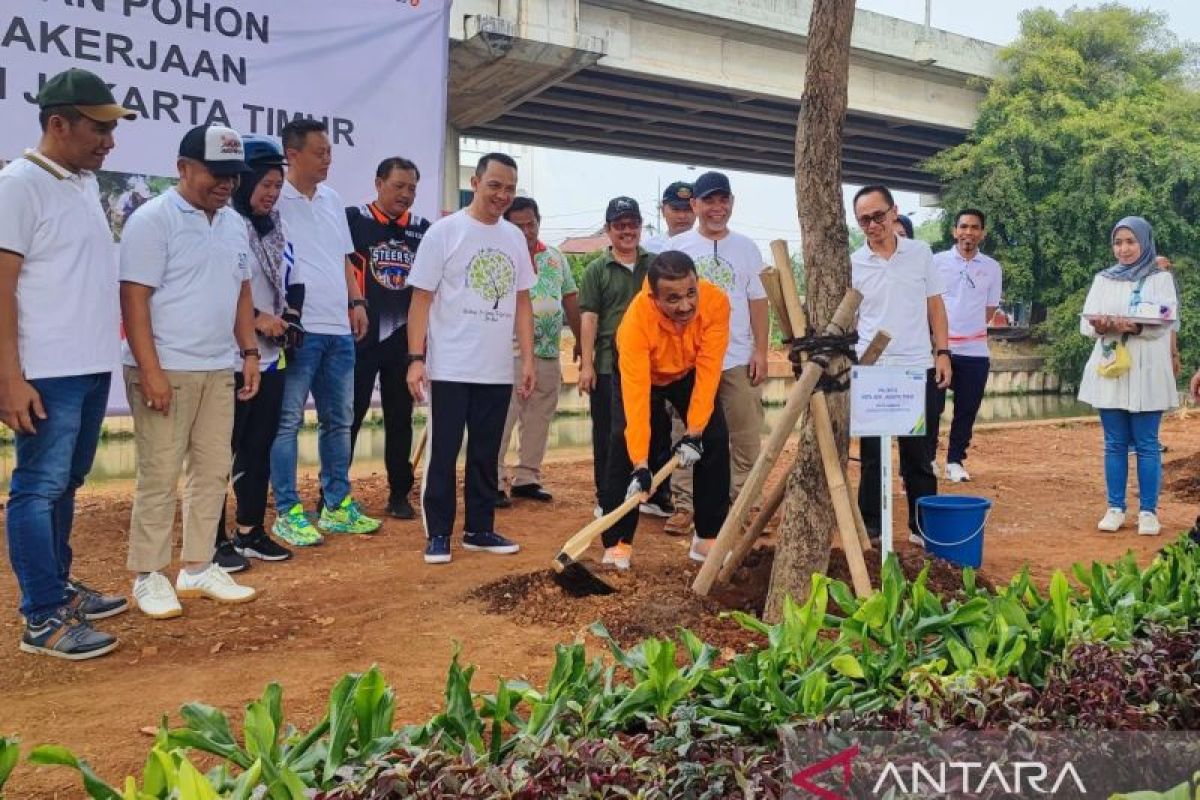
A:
x: 534, y: 415
x: 192, y: 438
x: 742, y: 406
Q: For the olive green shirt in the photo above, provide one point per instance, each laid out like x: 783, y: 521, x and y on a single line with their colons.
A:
x: 606, y: 290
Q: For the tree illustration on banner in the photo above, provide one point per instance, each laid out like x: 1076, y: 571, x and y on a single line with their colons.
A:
x: 492, y: 274
x: 715, y: 269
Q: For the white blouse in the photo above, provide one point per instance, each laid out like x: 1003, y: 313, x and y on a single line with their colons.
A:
x: 1149, y: 385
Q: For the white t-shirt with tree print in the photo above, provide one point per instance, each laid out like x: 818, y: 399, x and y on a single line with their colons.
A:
x: 734, y: 264
x: 474, y: 271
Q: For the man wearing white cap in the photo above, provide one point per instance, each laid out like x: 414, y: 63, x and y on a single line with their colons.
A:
x: 187, y: 307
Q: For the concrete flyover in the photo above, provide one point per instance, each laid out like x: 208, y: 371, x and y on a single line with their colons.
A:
x: 711, y: 82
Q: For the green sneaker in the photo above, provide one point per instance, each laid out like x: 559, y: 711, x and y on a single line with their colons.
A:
x: 347, y: 518
x: 295, y: 528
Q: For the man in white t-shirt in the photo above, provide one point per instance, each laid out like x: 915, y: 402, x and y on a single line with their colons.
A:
x: 733, y: 262
x: 973, y: 284
x: 59, y: 342
x: 471, y: 280
x: 188, y: 311
x: 677, y: 213
x: 902, y: 294
x: 335, y: 316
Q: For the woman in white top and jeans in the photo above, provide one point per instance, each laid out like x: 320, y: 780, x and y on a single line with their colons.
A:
x: 1131, y: 404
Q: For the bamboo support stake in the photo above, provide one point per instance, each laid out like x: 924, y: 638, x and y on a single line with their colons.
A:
x: 770, y: 282
x: 770, y: 505
x: 787, y: 284
x: 832, y: 478
x: 835, y: 477
x: 798, y: 397
x: 818, y: 409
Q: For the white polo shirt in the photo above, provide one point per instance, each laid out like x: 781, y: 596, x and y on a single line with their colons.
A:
x: 971, y: 286
x: 68, y: 306
x: 732, y: 263
x: 895, y: 293
x: 475, y: 271
x: 196, y: 268
x: 318, y: 232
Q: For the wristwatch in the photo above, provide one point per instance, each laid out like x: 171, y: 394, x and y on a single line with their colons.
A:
x: 943, y: 353
x: 251, y: 351
x: 356, y: 302
x: 415, y: 357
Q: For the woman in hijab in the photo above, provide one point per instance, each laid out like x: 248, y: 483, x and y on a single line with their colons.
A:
x: 277, y: 320
x: 1131, y: 307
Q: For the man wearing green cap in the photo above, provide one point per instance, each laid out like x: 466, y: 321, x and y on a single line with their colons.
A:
x: 59, y: 342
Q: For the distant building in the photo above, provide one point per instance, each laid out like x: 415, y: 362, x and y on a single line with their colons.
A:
x: 582, y: 245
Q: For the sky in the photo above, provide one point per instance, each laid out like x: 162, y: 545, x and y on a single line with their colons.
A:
x: 765, y: 205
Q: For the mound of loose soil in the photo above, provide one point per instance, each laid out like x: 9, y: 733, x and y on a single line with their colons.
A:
x: 656, y: 599
x: 1181, y: 477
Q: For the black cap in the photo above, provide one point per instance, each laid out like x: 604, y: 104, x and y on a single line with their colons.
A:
x: 218, y: 147
x: 622, y: 207
x: 710, y: 183
x: 86, y: 93
x: 678, y: 195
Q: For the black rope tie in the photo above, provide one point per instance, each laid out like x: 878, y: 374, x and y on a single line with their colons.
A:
x: 822, y: 349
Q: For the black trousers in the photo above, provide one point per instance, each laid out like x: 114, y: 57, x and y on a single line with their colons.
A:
x: 254, y: 424
x: 916, y: 469
x: 968, y: 379
x: 600, y: 407
x: 479, y: 410
x: 387, y: 360
x: 711, y: 473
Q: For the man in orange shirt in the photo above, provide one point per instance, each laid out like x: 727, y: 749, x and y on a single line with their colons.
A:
x: 669, y: 350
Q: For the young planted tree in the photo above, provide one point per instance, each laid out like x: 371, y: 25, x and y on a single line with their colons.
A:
x: 808, y: 519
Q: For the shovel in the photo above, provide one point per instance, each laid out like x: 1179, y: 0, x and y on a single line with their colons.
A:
x: 576, y: 579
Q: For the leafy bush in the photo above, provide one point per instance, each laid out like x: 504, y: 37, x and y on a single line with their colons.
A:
x: 1116, y: 652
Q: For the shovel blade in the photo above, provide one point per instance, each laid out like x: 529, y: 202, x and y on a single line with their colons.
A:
x: 578, y: 581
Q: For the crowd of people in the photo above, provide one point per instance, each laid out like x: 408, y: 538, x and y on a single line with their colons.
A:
x: 251, y: 286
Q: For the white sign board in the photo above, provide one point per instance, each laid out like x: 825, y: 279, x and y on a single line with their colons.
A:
x: 374, y: 70
x: 887, y: 401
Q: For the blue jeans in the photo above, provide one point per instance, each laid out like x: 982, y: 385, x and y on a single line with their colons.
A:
x: 324, y: 365
x: 51, y: 466
x: 1121, y: 428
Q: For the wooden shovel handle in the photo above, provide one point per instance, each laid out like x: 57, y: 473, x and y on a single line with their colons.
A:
x: 578, y: 544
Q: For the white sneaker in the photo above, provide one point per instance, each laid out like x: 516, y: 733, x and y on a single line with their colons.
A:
x: 1114, y: 518
x: 956, y: 473
x: 215, y: 584
x: 153, y: 594
x: 619, y: 555
x: 915, y: 539
x: 654, y: 509
x: 1148, y: 524
x: 933, y: 466
x: 698, y: 553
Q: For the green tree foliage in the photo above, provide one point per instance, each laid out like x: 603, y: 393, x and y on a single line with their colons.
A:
x: 1093, y: 117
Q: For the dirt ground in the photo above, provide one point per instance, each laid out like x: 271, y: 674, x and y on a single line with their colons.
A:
x: 359, y: 600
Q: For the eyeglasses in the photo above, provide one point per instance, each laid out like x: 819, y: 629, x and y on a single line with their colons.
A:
x: 625, y: 227
x: 966, y: 276
x: 878, y: 218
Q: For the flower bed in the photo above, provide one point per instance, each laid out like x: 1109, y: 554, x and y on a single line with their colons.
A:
x: 1117, y: 651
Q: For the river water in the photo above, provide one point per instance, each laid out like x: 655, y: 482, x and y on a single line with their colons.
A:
x: 115, y: 459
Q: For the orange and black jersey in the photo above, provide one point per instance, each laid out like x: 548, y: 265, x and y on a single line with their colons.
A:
x: 384, y: 249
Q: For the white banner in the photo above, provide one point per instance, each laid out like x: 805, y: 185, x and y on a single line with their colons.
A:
x: 374, y: 70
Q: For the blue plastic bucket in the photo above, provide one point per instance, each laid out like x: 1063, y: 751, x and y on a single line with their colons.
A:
x: 952, y: 527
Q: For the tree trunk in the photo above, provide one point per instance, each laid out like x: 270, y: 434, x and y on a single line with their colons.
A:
x: 807, y: 517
